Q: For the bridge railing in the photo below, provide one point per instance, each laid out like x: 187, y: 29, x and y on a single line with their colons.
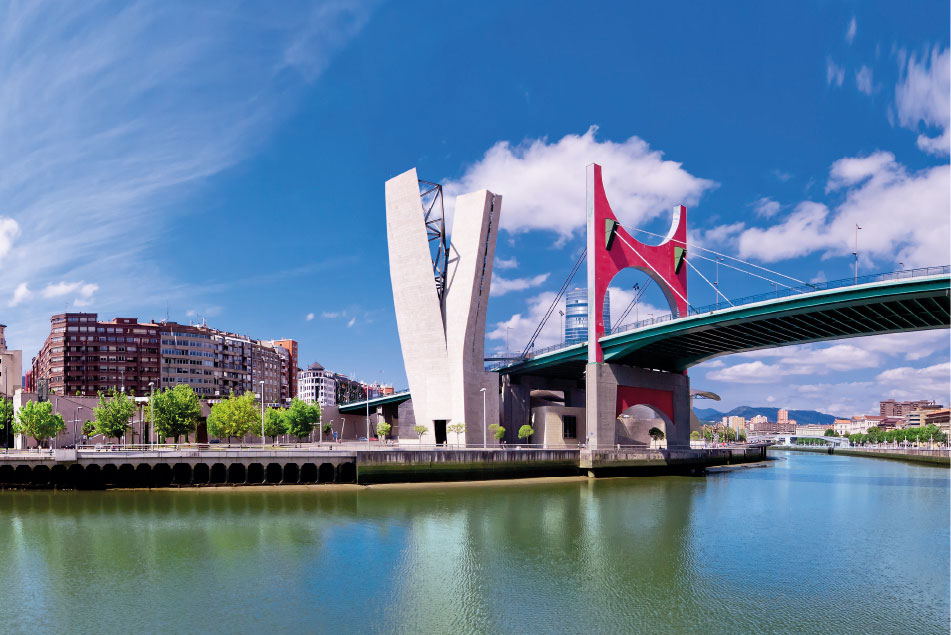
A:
x: 783, y: 292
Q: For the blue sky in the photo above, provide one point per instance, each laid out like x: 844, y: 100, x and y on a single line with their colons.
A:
x: 228, y: 162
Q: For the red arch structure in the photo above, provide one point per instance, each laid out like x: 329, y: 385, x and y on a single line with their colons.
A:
x: 611, y: 248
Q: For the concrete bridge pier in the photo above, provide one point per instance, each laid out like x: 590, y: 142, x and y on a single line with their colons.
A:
x: 610, y: 389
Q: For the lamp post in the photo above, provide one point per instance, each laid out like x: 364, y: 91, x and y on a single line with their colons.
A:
x: 368, y: 414
x: 856, y: 253
x: 562, y: 314
x: 152, y: 407
x: 80, y: 417
x: 262, y: 412
x: 485, y: 430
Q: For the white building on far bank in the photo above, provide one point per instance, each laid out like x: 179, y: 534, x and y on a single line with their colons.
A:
x: 316, y: 383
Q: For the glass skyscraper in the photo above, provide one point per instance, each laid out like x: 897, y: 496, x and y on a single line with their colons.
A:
x: 576, y: 316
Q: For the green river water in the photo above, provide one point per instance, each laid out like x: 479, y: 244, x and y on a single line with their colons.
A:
x: 811, y: 543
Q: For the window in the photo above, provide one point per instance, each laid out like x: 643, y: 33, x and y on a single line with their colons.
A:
x: 569, y: 427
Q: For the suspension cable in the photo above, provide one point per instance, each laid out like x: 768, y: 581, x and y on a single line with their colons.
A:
x: 749, y: 273
x: 715, y: 287
x: 680, y: 242
x: 555, y: 302
x: 637, y: 297
x: 678, y: 294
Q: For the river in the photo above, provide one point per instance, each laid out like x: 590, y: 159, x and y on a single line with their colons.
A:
x: 811, y: 543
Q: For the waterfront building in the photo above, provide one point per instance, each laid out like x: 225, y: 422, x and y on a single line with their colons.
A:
x: 842, y: 427
x: 811, y: 429
x: 737, y: 423
x: 892, y: 408
x: 292, y: 368
x: 84, y: 355
x: 939, y: 417
x: 317, y: 384
x: 11, y: 367
x: 576, y: 316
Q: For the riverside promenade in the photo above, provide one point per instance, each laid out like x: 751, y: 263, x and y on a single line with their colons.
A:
x: 234, y: 466
x: 937, y: 456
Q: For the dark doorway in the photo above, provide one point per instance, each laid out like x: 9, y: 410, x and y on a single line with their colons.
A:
x: 201, y: 432
x: 440, y: 425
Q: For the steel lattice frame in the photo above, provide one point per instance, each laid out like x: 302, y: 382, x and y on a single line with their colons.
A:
x: 434, y: 216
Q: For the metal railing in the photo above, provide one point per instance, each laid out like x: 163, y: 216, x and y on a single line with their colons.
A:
x: 783, y: 292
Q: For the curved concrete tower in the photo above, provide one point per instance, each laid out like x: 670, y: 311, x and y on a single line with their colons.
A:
x: 442, y: 335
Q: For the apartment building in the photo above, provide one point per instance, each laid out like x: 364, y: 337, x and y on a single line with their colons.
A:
x: 317, y: 384
x: 11, y: 366
x: 892, y: 408
x: 85, y: 355
x: 292, y: 365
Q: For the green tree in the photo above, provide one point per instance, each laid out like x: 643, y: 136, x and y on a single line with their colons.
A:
x: 457, y: 429
x: 525, y: 432
x: 235, y: 416
x: 89, y: 428
x: 301, y: 418
x: 420, y: 430
x: 382, y: 429
x: 177, y: 411
x: 497, y: 431
x: 6, y: 413
x: 274, y: 422
x: 36, y: 419
x: 113, y: 414
x: 830, y: 432
x: 656, y: 434
x: 695, y: 435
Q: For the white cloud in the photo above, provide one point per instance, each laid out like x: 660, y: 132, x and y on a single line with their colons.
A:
x: 352, y: 321
x: 506, y: 263
x: 191, y: 313
x: 21, y: 293
x: 543, y: 183
x: 922, y: 97
x: 9, y: 229
x: 782, y: 175
x: 331, y: 315
x: 111, y: 116
x: 310, y: 316
x: 766, y: 207
x: 501, y: 286
x: 55, y: 290
x: 932, y: 380
x: 750, y: 373
x: 86, y: 293
x: 864, y: 81
x: 877, y: 190
x: 850, y: 31
x: 835, y: 74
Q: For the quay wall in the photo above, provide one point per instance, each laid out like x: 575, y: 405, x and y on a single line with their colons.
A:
x: 71, y: 469
x: 940, y: 458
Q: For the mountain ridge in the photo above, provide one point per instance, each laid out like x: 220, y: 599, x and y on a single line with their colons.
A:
x: 748, y: 412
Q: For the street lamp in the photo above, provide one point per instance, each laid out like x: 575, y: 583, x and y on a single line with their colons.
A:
x: 562, y: 314
x: 152, y: 407
x: 485, y: 430
x: 856, y: 253
x: 80, y: 418
x: 262, y: 412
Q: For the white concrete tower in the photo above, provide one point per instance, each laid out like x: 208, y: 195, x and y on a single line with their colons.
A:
x: 443, y: 338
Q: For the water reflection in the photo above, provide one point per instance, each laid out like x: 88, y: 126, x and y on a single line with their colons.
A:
x: 808, y: 544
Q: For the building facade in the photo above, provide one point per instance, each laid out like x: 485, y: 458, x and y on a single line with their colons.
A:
x: 576, y: 316
x: 892, y: 408
x: 11, y: 367
x: 83, y: 355
x: 292, y: 365
x: 317, y: 384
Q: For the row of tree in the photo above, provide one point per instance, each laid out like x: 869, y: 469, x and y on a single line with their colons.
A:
x: 710, y: 433
x: 176, y: 413
x: 918, y: 434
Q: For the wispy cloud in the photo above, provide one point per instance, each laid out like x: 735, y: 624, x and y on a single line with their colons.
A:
x: 501, y: 286
x: 310, y: 316
x: 835, y: 74
x: 851, y: 30
x: 110, y: 114
x: 923, y: 96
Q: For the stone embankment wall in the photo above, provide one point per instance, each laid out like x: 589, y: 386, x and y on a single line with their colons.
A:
x: 69, y: 469
x: 927, y: 456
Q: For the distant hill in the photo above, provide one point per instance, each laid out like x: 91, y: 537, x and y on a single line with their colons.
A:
x: 748, y: 412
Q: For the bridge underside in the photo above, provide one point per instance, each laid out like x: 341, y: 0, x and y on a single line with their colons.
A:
x: 829, y: 315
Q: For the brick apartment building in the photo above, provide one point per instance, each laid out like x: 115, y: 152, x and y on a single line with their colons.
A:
x: 84, y: 355
x: 291, y: 347
x: 892, y: 408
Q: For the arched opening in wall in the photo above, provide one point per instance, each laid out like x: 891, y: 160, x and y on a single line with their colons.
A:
x: 109, y: 473
x: 143, y: 475
x: 182, y: 474
x: 58, y: 475
x: 308, y: 473
x: 200, y: 474
x: 346, y: 473
x: 126, y: 475
x: 41, y: 476
x: 291, y: 473
x: 255, y: 473
x: 161, y: 475
x: 92, y: 477
x: 326, y: 474
x: 237, y: 473
x: 75, y: 475
x: 219, y: 474
x: 273, y: 474
x: 7, y: 475
x: 23, y: 475
x: 634, y: 425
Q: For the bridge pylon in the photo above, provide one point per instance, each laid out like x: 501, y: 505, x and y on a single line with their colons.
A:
x: 611, y: 388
